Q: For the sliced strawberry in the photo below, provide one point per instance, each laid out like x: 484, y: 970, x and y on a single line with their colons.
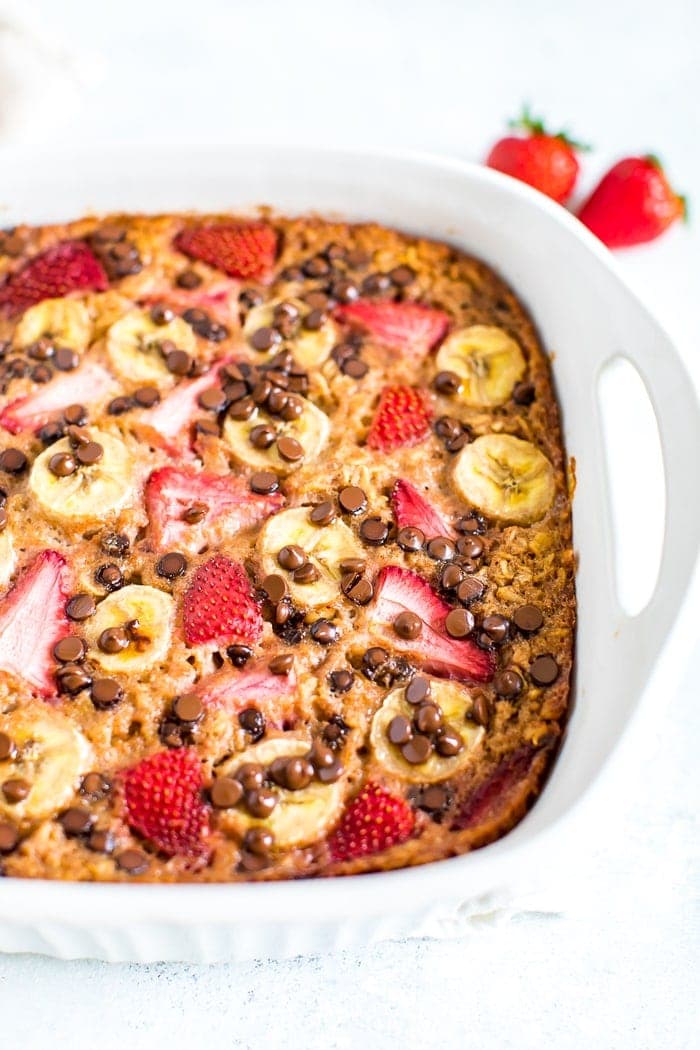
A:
x: 240, y: 249
x: 412, y: 509
x: 374, y: 821
x: 490, y: 799
x: 87, y: 385
x: 402, y: 419
x: 400, y: 590
x: 173, y: 415
x: 163, y: 801
x: 223, y: 500
x: 255, y: 686
x: 32, y: 619
x: 219, y: 605
x: 409, y: 327
x: 64, y: 268
x: 219, y: 300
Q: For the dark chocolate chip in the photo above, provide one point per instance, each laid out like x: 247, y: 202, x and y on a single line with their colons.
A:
x: 544, y: 669
x: 374, y: 532
x: 188, y: 708
x: 172, y: 565
x: 441, y: 549
x: 507, y: 683
x: 69, y: 650
x: 399, y: 730
x: 281, y: 664
x: 523, y: 393
x: 447, y: 383
x: 95, y: 786
x: 417, y: 690
x: 459, y: 623
x: 410, y: 538
x: 264, y: 482
x: 341, y: 680
x: 76, y: 821
x: 407, y: 625
x: 133, y: 861
x: 323, y: 513
x: 324, y: 632
x: 352, y: 499
x: 417, y: 750
x: 528, y: 618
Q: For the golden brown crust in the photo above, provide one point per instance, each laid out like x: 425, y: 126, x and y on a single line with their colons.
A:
x: 523, y: 564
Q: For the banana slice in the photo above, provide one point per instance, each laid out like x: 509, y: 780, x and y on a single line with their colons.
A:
x: 8, y: 557
x: 487, y: 360
x: 456, y: 704
x: 311, y: 430
x: 143, y: 617
x: 105, y: 309
x: 133, y: 346
x: 300, y: 817
x: 505, y: 478
x: 91, y: 493
x: 325, y: 548
x: 310, y: 348
x: 50, y: 754
x: 66, y: 322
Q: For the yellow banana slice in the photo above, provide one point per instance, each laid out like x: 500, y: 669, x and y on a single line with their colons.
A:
x: 505, y: 478
x: 143, y: 617
x: 91, y: 493
x: 300, y: 817
x: 105, y: 309
x: 325, y: 548
x: 310, y: 347
x: 455, y: 703
x: 487, y: 360
x: 311, y: 430
x: 49, y: 753
x: 8, y: 557
x: 66, y: 322
x: 133, y: 346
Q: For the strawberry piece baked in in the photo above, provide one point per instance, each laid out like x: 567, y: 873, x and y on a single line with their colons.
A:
x: 286, y: 571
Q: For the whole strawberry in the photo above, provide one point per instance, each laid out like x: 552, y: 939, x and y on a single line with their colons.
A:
x: 374, y: 821
x: 543, y: 160
x: 163, y: 801
x: 632, y: 204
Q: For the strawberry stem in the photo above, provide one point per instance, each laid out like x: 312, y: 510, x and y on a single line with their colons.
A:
x: 536, y: 126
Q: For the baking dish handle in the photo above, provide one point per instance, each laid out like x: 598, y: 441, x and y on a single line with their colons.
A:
x: 677, y: 412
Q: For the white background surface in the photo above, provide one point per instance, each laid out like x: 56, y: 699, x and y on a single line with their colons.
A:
x: 616, y: 965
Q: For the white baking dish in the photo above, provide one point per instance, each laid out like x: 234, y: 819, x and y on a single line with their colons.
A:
x: 587, y: 315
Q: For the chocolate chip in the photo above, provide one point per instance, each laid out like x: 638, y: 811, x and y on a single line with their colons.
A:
x: 290, y: 449
x: 13, y: 461
x: 307, y: 573
x: 316, y: 267
x: 274, y: 587
x: 41, y: 350
x: 470, y: 589
x: 9, y: 837
x: 470, y: 547
x: 7, y: 747
x: 544, y: 669
x: 260, y: 802
x: 329, y: 774
x: 428, y: 718
x: 472, y: 523
x: 292, y: 409
x: 447, y: 383
x: 315, y: 319
x: 407, y: 625
x: 41, y: 374
x: 374, y: 657
x: 449, y: 743
x: 352, y: 499
x: 76, y: 821
x: 196, y: 513
x: 161, y: 314
x: 178, y: 362
x: 459, y: 623
x: 261, y: 391
x: 281, y: 664
x: 265, y: 338
x: 239, y: 655
x: 188, y: 708
x: 452, y: 576
x: 417, y: 690
x: 133, y: 861
x: 264, y: 482
x: 355, y: 368
x: 69, y: 650
x: 374, y: 532
x: 323, y: 513
x: 119, y: 405
x: 324, y: 632
x: 63, y: 464
x: 291, y: 557
x: 402, y: 276
x: 213, y: 399
x: 434, y: 798
x: 172, y: 565
x: 341, y: 681
x: 399, y: 730
x: 113, y: 640
x: 252, y: 720
x: 298, y: 774
x: 101, y: 841
x: 523, y: 393
x: 417, y: 750
x: 496, y: 627
x: 95, y: 786
x: 116, y: 544
x: 250, y: 775
x: 188, y: 279
x: 441, y: 549
x: 243, y: 409
x: 207, y: 427
x: 345, y: 291
x: 146, y: 396
x: 410, y: 538
x: 481, y: 709
x: 50, y: 432
x: 262, y: 437
x: 65, y: 359
x: 16, y: 790
x: 72, y: 679
x: 528, y: 618
x: 225, y: 793
x: 75, y: 415
x: 507, y: 683
x: 110, y: 576
x: 375, y: 283
x: 357, y: 588
x: 455, y: 444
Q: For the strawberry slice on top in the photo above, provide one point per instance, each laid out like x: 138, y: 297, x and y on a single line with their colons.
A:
x: 87, y: 385
x: 400, y: 590
x: 255, y: 685
x: 241, y: 249
x: 163, y: 802
x: 409, y: 327
x: 173, y: 415
x: 402, y: 419
x: 412, y: 509
x: 186, y: 505
x: 58, y: 271
x: 374, y: 821
x: 32, y: 620
x: 219, y: 605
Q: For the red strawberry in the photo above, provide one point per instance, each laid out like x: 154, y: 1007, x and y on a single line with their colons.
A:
x: 547, y: 162
x: 402, y: 419
x: 218, y: 299
x: 255, y: 686
x: 240, y: 249
x: 374, y: 821
x: 409, y: 327
x: 64, y: 268
x: 632, y: 204
x: 400, y: 590
x: 219, y: 605
x: 85, y: 386
x: 176, y: 411
x: 490, y: 798
x: 163, y: 800
x: 224, y: 501
x: 32, y: 619
x: 411, y: 508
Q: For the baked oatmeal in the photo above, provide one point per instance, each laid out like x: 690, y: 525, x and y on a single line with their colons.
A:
x: 286, y: 569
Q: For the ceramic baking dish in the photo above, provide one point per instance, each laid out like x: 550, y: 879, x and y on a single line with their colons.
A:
x: 587, y: 317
